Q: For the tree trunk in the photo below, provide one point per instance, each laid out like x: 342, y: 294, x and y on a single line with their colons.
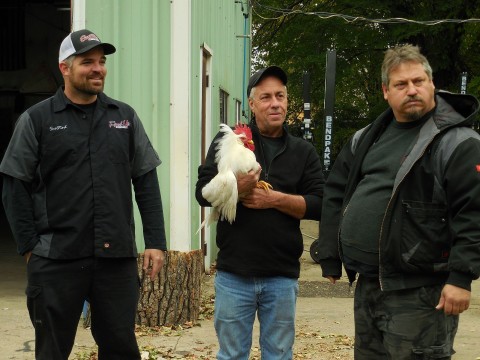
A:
x: 174, y: 297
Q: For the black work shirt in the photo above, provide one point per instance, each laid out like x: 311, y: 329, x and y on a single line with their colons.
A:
x: 81, y: 170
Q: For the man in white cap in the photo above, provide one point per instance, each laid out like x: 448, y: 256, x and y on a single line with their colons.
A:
x: 68, y: 172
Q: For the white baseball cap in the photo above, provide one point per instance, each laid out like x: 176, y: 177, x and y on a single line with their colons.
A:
x: 81, y: 41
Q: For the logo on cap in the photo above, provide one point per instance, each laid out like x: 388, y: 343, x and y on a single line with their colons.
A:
x: 89, y: 37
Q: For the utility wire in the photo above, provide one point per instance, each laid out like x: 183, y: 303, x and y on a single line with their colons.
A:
x: 351, y: 19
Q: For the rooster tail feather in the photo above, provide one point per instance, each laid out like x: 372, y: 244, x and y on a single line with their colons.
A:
x: 210, y: 219
x: 202, y: 225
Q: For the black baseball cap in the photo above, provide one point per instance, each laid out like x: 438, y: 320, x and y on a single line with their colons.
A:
x: 81, y: 41
x: 260, y: 74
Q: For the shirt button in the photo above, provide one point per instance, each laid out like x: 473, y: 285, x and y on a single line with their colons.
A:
x: 106, y: 245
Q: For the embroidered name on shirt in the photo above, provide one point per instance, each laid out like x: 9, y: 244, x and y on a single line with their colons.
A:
x: 124, y: 124
x: 59, y: 127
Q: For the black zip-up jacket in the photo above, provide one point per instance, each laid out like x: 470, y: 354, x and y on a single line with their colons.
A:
x: 430, y: 233
x: 77, y: 173
x: 268, y: 242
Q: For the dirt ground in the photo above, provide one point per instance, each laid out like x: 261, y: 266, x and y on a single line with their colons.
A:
x: 324, y: 319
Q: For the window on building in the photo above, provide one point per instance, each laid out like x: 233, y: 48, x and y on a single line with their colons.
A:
x: 238, y: 111
x: 223, y: 106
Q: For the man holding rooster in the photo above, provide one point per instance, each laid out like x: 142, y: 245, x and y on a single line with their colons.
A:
x: 258, y: 260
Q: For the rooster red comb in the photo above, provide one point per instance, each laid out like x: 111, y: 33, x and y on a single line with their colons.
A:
x: 243, y: 128
x: 247, y: 132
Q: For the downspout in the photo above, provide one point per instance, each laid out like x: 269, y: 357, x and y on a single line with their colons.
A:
x: 78, y: 14
x: 244, y: 62
x: 246, y: 36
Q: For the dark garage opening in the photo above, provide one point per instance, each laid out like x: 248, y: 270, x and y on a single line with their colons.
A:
x: 30, y: 35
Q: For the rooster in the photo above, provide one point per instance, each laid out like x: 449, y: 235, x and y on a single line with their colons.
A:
x: 234, y: 155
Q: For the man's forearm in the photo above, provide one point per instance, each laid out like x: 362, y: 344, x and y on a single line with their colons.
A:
x: 293, y: 205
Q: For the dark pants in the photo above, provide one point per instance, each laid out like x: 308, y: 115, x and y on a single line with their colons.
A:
x: 401, y: 325
x: 56, y: 292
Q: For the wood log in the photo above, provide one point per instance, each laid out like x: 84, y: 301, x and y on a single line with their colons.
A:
x: 174, y: 297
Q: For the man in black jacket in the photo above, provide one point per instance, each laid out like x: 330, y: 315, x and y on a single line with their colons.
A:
x: 68, y: 173
x: 258, y: 261
x: 401, y: 210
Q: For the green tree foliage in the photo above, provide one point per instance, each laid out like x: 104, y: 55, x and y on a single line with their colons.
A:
x: 296, y: 34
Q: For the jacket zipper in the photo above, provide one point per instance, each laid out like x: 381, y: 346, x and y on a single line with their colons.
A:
x: 338, y: 236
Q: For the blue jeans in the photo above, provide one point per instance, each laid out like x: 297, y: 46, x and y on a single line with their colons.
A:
x: 238, y: 298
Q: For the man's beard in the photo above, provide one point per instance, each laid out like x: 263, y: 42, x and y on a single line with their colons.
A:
x: 86, y: 89
x: 414, y: 114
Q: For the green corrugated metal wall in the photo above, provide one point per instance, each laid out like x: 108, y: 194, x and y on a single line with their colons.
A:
x: 221, y: 25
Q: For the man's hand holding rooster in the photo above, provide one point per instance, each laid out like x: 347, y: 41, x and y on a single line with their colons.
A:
x: 259, y: 198
x: 247, y: 182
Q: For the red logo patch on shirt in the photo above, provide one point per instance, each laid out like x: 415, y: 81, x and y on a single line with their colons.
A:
x: 124, y: 124
x: 478, y: 168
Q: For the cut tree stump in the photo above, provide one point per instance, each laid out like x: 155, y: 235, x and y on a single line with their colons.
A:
x: 174, y: 297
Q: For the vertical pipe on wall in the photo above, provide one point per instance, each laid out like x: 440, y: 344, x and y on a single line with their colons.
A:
x: 180, y: 105
x: 78, y: 14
